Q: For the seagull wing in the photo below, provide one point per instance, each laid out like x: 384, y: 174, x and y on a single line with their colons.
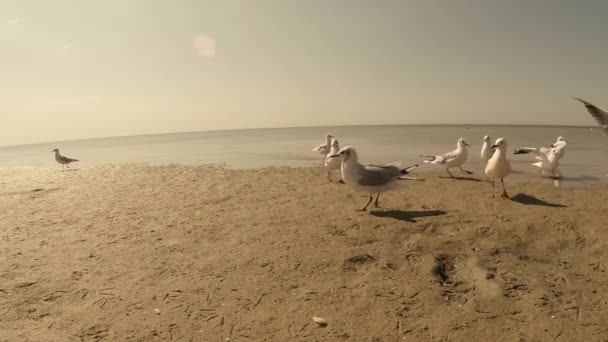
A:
x: 375, y: 175
x: 539, y: 153
x: 598, y: 114
x: 321, y: 148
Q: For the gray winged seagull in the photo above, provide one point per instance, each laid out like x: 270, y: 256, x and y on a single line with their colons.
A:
x: 455, y: 158
x: 371, y: 178
x: 64, y: 161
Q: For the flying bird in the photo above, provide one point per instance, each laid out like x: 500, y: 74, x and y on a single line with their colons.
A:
x: 598, y: 114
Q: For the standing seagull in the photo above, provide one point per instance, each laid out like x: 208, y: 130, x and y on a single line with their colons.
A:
x: 598, y: 114
x: 324, y: 149
x: 452, y: 159
x: 65, y: 161
x: 499, y: 166
x: 370, y: 178
x: 548, y: 157
x: 332, y: 163
x: 486, y: 150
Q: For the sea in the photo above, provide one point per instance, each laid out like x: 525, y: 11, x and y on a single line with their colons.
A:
x: 586, y: 159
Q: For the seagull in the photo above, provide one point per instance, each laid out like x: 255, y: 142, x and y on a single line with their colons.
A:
x: 368, y: 177
x: 498, y: 166
x: 452, y: 159
x: 598, y: 114
x: 65, y: 161
x: 324, y: 149
x: 486, y: 150
x: 332, y: 163
x: 548, y: 156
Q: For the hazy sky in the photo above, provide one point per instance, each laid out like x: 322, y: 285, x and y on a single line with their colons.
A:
x: 91, y: 68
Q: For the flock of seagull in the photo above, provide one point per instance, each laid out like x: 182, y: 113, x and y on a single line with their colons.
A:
x: 376, y: 179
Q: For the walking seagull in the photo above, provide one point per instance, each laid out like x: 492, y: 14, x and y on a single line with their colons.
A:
x: 548, y: 156
x: 324, y: 149
x: 368, y: 177
x: 64, y: 161
x: 452, y: 159
x: 598, y: 114
x: 486, y: 150
x: 332, y: 163
x: 498, y: 166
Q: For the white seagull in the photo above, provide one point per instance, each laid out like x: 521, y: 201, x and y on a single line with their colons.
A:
x: 598, y: 114
x: 548, y: 157
x: 370, y: 178
x: 324, y: 149
x: 498, y: 166
x: 333, y: 163
x: 64, y: 161
x: 486, y: 150
x: 452, y: 159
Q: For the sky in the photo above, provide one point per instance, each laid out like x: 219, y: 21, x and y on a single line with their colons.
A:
x: 73, y: 69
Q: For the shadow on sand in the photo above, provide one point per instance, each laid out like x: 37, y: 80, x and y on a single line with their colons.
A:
x: 409, y: 216
x: 70, y: 170
x: 462, y: 178
x: 531, y: 200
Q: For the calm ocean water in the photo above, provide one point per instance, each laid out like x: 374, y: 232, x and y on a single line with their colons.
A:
x: 586, y: 159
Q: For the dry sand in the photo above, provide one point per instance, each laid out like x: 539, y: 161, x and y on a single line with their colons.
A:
x: 151, y: 253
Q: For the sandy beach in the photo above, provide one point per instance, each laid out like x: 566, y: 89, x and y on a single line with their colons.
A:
x: 184, y: 253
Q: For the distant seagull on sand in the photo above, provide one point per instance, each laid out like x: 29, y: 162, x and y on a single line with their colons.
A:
x: 324, y: 149
x: 598, y: 114
x: 452, y: 159
x: 370, y: 178
x: 65, y: 161
x: 333, y: 163
x: 498, y: 166
x: 548, y: 156
x: 486, y: 150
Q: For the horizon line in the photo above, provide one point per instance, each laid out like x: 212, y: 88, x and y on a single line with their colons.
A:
x: 287, y: 127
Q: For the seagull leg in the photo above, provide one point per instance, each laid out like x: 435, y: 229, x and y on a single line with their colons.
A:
x: 448, y: 170
x: 463, y: 170
x: 371, y: 198
x: 493, y: 184
x: 376, y: 205
x: 329, y: 175
x: 504, y: 191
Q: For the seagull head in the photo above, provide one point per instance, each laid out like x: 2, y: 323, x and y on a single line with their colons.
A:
x: 55, y: 150
x: 501, y: 144
x: 486, y: 138
x: 461, y: 141
x: 335, y: 143
x: 347, y: 153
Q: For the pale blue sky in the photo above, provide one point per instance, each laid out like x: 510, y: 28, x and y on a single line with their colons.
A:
x: 77, y: 69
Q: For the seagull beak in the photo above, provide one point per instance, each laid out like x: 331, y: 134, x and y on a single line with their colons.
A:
x: 333, y: 156
x: 465, y: 144
x: 494, y: 146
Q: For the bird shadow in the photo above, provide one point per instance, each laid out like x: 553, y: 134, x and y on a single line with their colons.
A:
x: 531, y: 200
x: 70, y: 170
x: 409, y: 216
x: 462, y: 178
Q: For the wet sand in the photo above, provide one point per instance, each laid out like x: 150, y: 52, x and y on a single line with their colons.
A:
x: 161, y: 253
